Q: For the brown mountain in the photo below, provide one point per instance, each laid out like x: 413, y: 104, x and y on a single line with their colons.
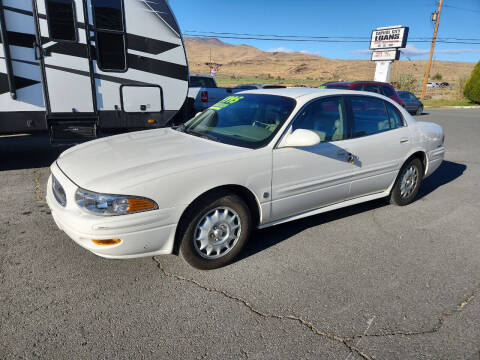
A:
x: 244, y: 61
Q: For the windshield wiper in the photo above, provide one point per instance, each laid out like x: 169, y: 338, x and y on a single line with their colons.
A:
x: 202, y: 135
x: 180, y: 128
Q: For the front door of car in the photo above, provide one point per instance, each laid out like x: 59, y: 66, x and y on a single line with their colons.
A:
x: 312, y: 177
x: 380, y: 141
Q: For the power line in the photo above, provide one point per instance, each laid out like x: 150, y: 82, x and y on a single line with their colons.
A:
x: 248, y: 36
x: 330, y: 40
x: 279, y: 36
x: 461, y: 8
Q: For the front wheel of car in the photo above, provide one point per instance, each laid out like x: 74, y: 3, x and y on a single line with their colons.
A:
x: 408, y: 183
x: 214, y: 231
x: 419, y: 110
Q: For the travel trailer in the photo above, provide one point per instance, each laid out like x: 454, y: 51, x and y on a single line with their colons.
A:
x: 74, y: 67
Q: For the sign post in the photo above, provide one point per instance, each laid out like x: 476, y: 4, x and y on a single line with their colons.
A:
x: 385, y: 43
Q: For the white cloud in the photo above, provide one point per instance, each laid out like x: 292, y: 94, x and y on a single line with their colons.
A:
x: 281, y: 49
x: 288, y: 50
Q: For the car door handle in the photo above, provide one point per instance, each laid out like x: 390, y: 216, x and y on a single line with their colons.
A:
x: 404, y: 140
x: 346, y: 155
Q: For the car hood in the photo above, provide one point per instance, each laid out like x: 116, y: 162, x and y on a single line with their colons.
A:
x: 113, y: 164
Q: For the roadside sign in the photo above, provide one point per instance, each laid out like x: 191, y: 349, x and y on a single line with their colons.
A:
x: 389, y: 38
x: 386, y: 55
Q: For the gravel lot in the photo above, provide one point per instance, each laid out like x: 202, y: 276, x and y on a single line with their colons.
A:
x: 372, y: 281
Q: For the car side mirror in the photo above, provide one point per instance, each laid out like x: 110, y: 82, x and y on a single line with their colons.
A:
x: 300, y: 138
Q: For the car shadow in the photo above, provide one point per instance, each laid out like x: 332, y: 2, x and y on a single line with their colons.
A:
x: 265, y: 238
x: 27, y: 152
x: 446, y: 173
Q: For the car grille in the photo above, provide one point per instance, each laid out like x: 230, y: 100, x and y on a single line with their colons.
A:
x: 58, y: 192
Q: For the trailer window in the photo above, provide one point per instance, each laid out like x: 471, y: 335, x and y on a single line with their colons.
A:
x: 110, y: 35
x: 61, y: 20
x: 108, y: 14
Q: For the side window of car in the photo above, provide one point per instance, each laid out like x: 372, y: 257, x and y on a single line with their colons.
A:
x: 394, y: 115
x: 388, y: 91
x: 371, y: 88
x: 325, y: 117
x: 369, y: 116
x: 357, y: 87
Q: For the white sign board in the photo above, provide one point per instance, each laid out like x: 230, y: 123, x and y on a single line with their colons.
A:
x: 386, y: 55
x: 382, y: 72
x: 389, y: 38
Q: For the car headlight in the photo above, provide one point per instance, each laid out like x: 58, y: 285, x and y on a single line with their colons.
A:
x: 112, y: 205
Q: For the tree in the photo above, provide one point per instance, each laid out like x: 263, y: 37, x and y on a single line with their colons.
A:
x: 472, y: 86
x: 437, y: 76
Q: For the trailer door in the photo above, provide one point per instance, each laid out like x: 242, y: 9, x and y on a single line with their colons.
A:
x: 62, y: 50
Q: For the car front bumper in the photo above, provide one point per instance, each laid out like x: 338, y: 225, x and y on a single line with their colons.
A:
x: 143, y: 234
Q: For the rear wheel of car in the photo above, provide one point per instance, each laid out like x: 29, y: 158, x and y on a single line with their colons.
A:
x: 419, y: 110
x: 408, y: 183
x: 214, y: 231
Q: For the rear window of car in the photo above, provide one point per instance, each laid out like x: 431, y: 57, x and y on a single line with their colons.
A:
x: 372, y: 88
x: 202, y: 82
x: 274, y: 87
x: 388, y: 91
x: 337, y: 86
x: 245, y: 87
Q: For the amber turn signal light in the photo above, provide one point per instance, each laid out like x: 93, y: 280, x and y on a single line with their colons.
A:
x: 135, y: 205
x: 151, y: 121
x: 108, y: 242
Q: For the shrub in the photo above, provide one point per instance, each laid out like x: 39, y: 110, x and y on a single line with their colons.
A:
x: 462, y: 80
x: 437, y: 76
x: 406, y: 82
x: 472, y: 86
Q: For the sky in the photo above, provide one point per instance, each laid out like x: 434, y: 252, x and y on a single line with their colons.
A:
x: 460, y: 19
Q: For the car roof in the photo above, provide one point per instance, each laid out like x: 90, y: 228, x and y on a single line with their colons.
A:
x: 304, y: 95
x: 299, y: 92
x: 259, y: 85
x: 356, y: 82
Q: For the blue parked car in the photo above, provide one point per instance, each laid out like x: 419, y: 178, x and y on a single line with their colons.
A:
x: 411, y: 103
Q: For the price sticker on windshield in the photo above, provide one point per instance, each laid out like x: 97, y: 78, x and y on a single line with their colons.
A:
x: 226, y: 102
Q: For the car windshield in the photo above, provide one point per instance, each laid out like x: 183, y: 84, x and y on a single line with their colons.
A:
x: 247, y: 120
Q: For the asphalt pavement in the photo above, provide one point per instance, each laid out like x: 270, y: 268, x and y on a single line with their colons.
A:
x: 372, y: 281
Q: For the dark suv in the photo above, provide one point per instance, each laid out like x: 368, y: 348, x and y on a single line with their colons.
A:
x: 370, y: 86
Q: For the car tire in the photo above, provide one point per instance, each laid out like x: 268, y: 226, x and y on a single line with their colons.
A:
x: 408, y: 183
x: 214, y: 230
x: 419, y: 110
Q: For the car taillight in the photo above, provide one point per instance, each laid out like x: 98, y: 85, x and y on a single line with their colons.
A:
x: 204, y: 96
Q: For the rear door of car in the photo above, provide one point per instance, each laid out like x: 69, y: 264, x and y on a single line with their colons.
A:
x: 380, y: 141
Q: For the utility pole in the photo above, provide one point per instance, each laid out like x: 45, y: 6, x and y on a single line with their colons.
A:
x: 432, y: 49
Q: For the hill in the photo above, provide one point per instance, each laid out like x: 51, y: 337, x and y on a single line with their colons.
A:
x: 244, y: 63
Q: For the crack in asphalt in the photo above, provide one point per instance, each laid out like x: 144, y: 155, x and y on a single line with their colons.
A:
x: 347, y: 341
x: 436, y: 328
x: 301, y: 321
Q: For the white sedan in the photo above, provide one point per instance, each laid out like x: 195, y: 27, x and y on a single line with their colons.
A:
x: 253, y: 160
